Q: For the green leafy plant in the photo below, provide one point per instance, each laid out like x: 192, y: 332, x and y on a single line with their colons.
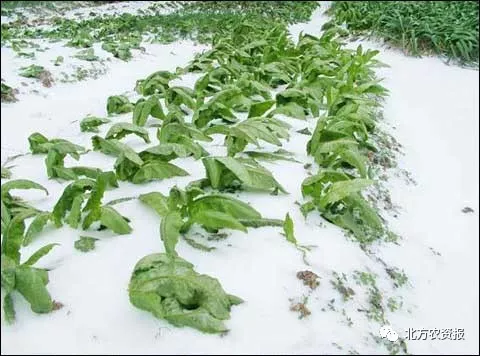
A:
x: 236, y: 173
x: 91, y: 123
x: 120, y: 130
x: 118, y: 104
x: 168, y: 287
x: 29, y: 281
x: 145, y: 108
x: 32, y: 71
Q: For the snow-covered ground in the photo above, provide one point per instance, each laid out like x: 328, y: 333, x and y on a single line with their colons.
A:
x: 432, y: 111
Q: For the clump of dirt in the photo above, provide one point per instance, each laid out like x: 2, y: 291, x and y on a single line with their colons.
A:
x: 57, y: 305
x: 46, y: 78
x: 300, y: 308
x: 467, y: 210
x: 309, y: 279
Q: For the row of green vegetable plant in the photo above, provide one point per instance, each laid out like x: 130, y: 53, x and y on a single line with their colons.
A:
x: 254, y: 70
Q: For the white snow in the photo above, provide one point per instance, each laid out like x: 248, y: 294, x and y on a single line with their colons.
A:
x: 432, y: 111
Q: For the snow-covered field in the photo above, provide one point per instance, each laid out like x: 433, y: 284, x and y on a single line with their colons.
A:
x: 432, y: 111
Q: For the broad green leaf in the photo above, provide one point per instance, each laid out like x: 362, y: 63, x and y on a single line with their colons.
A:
x: 118, y: 104
x: 143, y: 109
x: 30, y: 282
x: 225, y: 204
x: 157, y: 170
x: 169, y: 288
x: 114, y: 221
x: 342, y: 189
x: 213, y: 219
x: 90, y: 123
x: 66, y: 200
x: 291, y: 109
x: 157, y: 201
x: 170, y: 231
x: 258, y: 109
x: 236, y: 168
x: 120, y: 130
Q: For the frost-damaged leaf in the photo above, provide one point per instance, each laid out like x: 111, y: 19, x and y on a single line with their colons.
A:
x: 85, y: 243
x: 120, y: 130
x: 20, y: 184
x: 91, y: 123
x: 170, y: 231
x: 157, y: 201
x: 30, y: 282
x: 169, y: 288
x: 288, y: 229
x: 36, y: 227
x: 157, y: 170
x: 39, y: 254
x: 114, y: 221
x: 118, y: 104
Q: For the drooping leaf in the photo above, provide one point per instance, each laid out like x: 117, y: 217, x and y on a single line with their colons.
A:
x: 170, y: 231
x: 157, y: 170
x: 36, y: 226
x: 120, y: 130
x: 118, y: 104
x: 30, y: 283
x: 21, y: 184
x: 39, y: 254
x: 91, y: 123
x: 114, y: 221
x: 157, y: 201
